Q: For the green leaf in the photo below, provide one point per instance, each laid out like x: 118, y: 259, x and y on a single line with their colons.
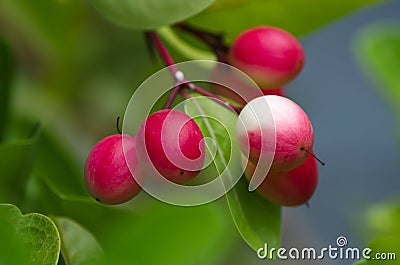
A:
x: 38, y: 232
x: 148, y: 14
x: 219, y: 126
x: 257, y: 220
x: 14, y: 244
x: 16, y: 161
x: 166, y: 234
x: 297, y: 17
x: 378, y: 50
x: 78, y: 245
x: 6, y: 69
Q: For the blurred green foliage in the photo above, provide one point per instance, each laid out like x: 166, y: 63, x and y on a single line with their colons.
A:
x: 383, y: 220
x: 378, y: 49
x: 297, y: 17
x: 6, y: 69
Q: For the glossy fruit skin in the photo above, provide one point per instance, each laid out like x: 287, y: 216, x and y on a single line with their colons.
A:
x: 271, y: 56
x: 107, y: 175
x: 289, y: 188
x: 156, y: 136
x: 293, y: 128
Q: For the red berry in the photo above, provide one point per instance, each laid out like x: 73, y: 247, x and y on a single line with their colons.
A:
x: 269, y: 55
x: 294, y: 132
x: 107, y: 175
x: 174, y: 144
x: 288, y: 188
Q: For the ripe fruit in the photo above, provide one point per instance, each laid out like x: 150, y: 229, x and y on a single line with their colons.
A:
x: 107, y: 175
x: 294, y: 132
x: 269, y: 55
x: 288, y: 188
x: 174, y: 144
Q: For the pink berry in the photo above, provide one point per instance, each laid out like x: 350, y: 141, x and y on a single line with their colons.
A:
x: 107, y: 175
x: 174, y: 144
x: 269, y: 55
x: 288, y: 188
x: 294, y: 132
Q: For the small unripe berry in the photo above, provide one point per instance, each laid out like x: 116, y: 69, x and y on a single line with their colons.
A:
x: 270, y: 56
x: 288, y: 188
x: 294, y: 132
x: 107, y: 175
x: 173, y: 143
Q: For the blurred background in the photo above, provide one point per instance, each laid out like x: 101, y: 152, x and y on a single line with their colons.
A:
x: 74, y: 72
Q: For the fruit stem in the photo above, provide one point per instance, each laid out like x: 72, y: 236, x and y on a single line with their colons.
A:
x: 313, y: 155
x: 213, y: 40
x: 166, y: 57
x: 180, y: 81
x: 118, y: 129
x: 185, y: 94
x: 209, y: 95
x: 214, y: 97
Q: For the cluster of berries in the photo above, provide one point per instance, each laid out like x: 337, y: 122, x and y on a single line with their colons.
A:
x: 174, y: 143
x: 170, y: 139
x: 273, y: 57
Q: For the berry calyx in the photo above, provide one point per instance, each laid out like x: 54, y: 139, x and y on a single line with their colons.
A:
x: 293, y: 129
x: 173, y: 143
x: 107, y: 175
x: 270, y: 56
x: 288, y: 188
